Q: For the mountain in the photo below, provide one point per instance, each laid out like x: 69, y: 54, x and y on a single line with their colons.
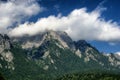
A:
x: 50, y: 55
x: 114, y: 59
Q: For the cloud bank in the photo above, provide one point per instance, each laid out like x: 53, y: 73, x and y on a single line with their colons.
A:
x: 12, y: 12
x: 79, y: 24
x: 118, y: 53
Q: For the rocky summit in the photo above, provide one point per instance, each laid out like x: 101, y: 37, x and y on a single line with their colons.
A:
x: 49, y: 55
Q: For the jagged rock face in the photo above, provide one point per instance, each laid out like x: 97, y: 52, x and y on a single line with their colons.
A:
x: 114, y: 59
x: 67, y: 39
x: 28, y: 42
x: 5, y: 54
x: 87, y: 51
x: 4, y: 42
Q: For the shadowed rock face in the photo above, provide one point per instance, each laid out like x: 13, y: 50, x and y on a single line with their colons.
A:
x: 4, y: 42
x: 83, y: 45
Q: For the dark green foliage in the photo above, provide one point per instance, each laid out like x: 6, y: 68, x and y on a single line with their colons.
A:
x: 90, y: 76
x: 1, y: 77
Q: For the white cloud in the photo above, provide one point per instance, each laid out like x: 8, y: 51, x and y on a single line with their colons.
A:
x: 118, y: 53
x: 12, y: 12
x: 79, y: 24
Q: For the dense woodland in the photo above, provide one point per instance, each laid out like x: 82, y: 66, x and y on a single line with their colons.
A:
x: 90, y: 76
x: 1, y: 77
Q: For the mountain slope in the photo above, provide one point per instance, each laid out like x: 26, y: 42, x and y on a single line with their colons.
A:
x: 50, y: 54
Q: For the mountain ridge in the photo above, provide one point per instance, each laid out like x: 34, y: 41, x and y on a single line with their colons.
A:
x: 53, y: 54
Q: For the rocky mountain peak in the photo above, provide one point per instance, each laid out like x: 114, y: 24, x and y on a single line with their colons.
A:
x: 61, y: 37
x: 36, y: 40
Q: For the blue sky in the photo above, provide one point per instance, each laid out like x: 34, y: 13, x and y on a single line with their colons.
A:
x: 65, y: 7
x: 20, y: 17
